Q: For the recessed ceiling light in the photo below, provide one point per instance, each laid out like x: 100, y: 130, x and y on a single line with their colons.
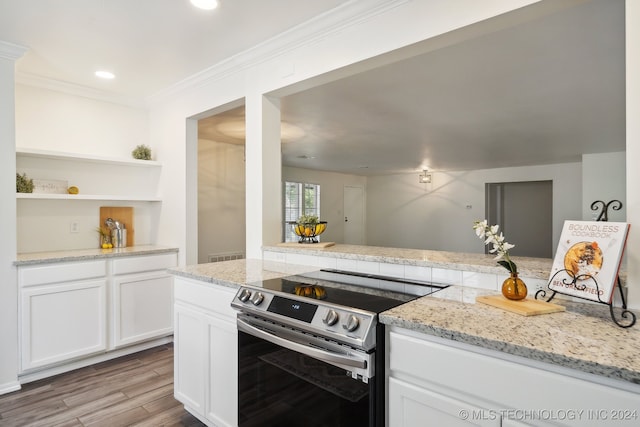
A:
x: 205, y: 4
x: 105, y: 75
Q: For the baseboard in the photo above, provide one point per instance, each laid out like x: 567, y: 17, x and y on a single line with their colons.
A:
x: 28, y: 377
x: 9, y: 387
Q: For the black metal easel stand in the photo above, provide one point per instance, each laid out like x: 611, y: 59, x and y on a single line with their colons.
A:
x: 627, y: 318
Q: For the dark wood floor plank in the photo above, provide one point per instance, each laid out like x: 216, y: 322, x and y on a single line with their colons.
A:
x: 165, y: 418
x: 82, y: 410
x: 136, y: 389
x: 126, y: 405
x: 146, y: 386
x: 120, y: 419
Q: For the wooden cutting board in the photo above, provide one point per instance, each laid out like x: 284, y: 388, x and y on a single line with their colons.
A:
x: 122, y: 214
x: 318, y: 245
x: 525, y: 307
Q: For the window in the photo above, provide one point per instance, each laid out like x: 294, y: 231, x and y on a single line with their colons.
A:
x: 299, y: 199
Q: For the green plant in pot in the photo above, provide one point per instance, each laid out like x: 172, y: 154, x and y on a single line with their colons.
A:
x: 141, y: 152
x: 23, y: 184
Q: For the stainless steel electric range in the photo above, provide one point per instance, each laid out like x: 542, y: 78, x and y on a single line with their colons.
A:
x: 308, y: 348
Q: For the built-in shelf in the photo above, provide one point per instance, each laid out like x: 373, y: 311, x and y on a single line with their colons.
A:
x: 58, y: 155
x: 122, y: 198
x: 93, y: 173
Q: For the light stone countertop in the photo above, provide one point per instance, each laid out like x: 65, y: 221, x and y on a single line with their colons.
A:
x: 582, y: 338
x: 33, y: 258
x: 537, y: 268
x: 239, y: 272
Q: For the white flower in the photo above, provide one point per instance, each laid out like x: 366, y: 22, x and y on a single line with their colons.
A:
x: 480, y: 226
x: 499, y: 245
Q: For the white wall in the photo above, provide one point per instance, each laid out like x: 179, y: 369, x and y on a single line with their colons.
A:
x: 404, y: 213
x: 221, y: 199
x: 8, y: 285
x: 51, y: 120
x: 632, y: 63
x: 331, y: 196
x: 604, y: 178
x: 56, y: 121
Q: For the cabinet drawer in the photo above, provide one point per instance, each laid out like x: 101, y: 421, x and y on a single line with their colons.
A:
x: 138, y: 264
x: 210, y: 297
x: 65, y: 272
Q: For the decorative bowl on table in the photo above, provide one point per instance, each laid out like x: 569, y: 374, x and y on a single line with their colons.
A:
x: 307, y: 232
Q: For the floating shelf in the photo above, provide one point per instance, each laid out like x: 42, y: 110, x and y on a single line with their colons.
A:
x: 45, y: 196
x: 58, y: 155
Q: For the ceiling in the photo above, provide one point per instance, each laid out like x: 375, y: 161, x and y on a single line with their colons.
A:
x: 546, y: 91
x: 542, y: 92
x: 149, y: 44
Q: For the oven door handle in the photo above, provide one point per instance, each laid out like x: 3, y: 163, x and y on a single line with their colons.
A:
x: 317, y: 353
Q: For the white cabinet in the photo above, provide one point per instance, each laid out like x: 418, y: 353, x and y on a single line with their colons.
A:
x: 433, y: 381
x: 69, y: 311
x: 142, y: 298
x: 62, y: 320
x: 206, y: 356
x: 413, y: 406
x: 189, y: 358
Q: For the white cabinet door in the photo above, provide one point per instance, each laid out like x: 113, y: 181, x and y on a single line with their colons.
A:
x: 62, y: 322
x: 413, y: 406
x: 206, y: 351
x: 222, y: 390
x: 190, y: 356
x: 142, y: 307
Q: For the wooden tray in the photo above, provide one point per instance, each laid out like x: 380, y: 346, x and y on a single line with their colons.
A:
x: 122, y: 214
x: 319, y: 245
x: 525, y: 307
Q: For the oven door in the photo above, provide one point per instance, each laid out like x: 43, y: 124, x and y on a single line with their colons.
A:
x: 290, y: 378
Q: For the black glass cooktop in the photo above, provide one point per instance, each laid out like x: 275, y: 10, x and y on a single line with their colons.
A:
x: 343, y: 289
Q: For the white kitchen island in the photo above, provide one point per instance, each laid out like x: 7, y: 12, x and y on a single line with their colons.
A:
x: 450, y: 359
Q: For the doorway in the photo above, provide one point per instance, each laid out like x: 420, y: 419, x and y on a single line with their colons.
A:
x: 353, y: 215
x: 524, y: 212
x: 221, y: 181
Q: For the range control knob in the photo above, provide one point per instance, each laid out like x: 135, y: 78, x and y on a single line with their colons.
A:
x: 330, y: 318
x: 257, y: 298
x: 244, y: 295
x: 351, y: 324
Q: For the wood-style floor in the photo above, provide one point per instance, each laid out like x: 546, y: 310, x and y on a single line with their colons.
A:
x: 134, y: 390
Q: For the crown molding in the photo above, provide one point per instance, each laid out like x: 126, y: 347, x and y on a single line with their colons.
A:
x: 11, y: 51
x: 307, y: 33
x: 28, y: 79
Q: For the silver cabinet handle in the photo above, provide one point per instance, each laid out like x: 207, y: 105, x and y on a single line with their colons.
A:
x: 319, y: 354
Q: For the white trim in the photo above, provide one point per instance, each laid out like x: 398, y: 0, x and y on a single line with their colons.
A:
x: 317, y: 28
x: 49, y: 372
x: 77, y: 90
x: 11, y: 51
x: 9, y: 387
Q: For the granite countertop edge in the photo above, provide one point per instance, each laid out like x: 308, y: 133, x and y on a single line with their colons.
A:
x: 204, y: 278
x: 614, y: 372
x: 88, y: 254
x: 537, y: 268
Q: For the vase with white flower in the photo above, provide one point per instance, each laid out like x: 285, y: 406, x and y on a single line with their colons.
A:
x: 513, y: 287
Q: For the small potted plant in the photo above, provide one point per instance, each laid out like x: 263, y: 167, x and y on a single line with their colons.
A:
x: 23, y: 184
x: 141, y: 152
